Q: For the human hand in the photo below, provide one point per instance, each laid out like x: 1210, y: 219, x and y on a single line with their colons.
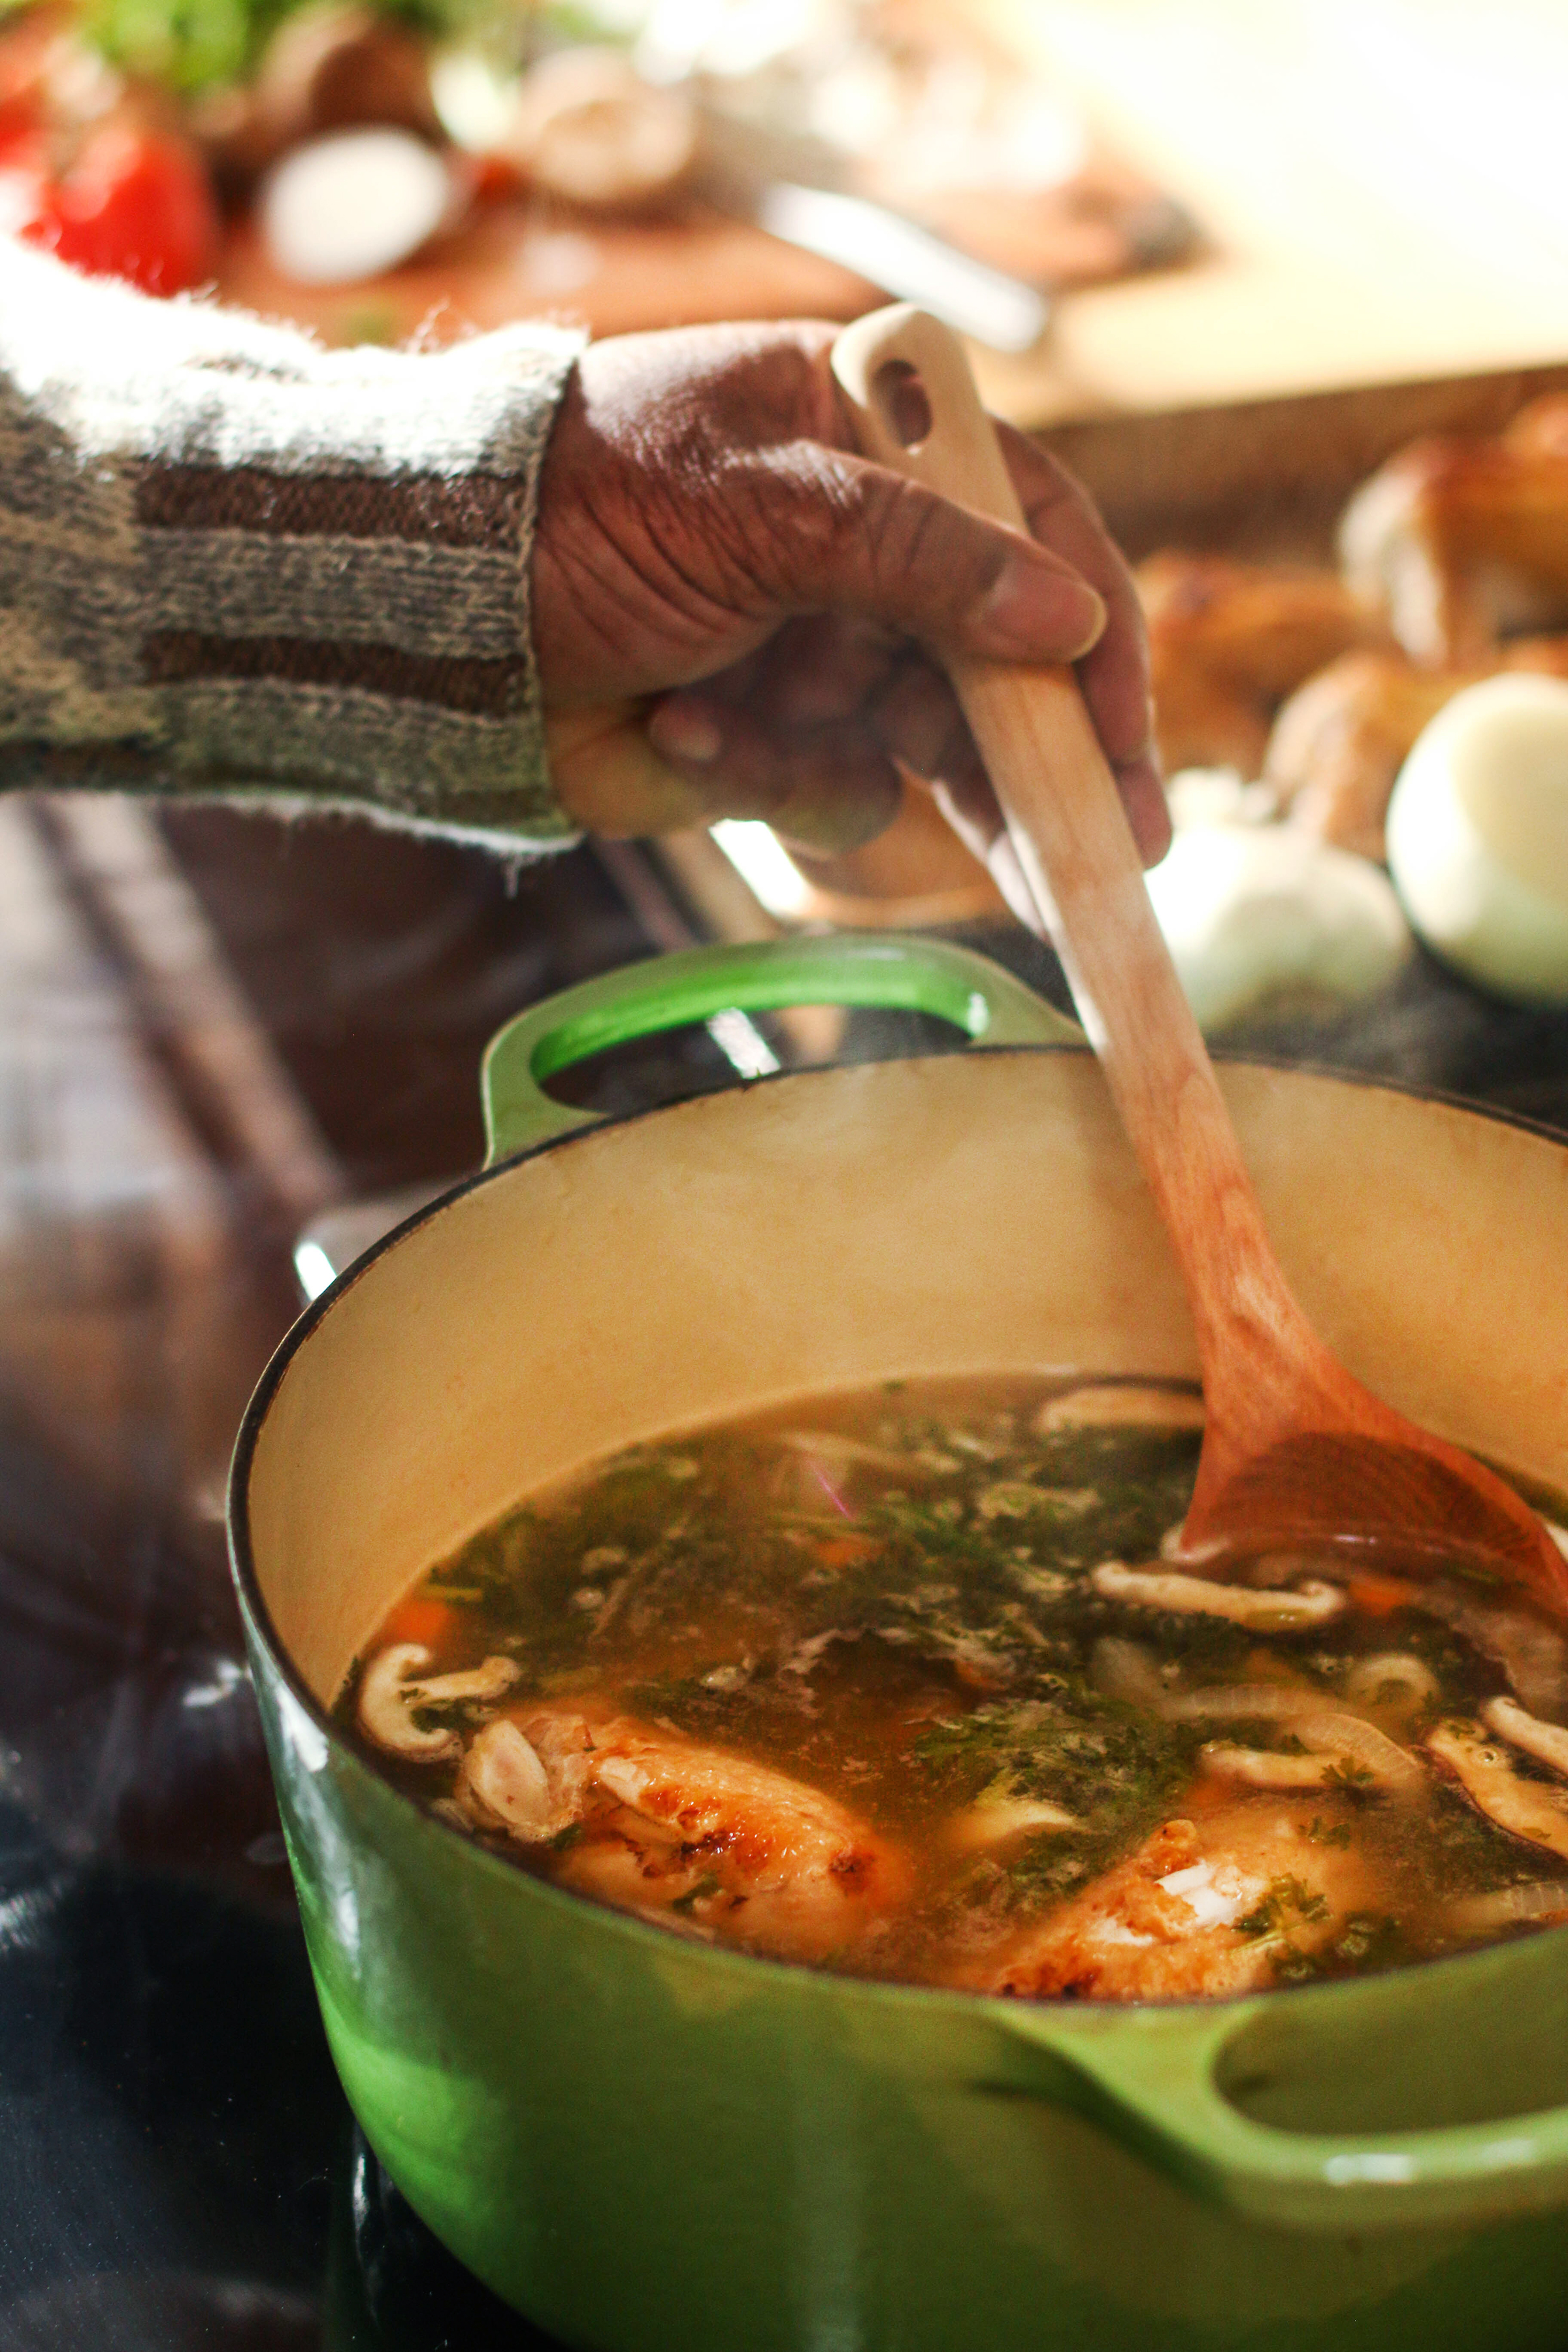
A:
x: 737, y: 615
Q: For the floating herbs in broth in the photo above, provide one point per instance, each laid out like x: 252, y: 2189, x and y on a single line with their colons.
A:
x: 900, y: 1684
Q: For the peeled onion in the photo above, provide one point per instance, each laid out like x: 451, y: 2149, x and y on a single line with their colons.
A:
x: 1477, y: 836
x: 349, y: 207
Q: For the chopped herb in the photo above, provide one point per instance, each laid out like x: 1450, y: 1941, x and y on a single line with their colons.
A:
x: 1368, y: 1941
x: 1282, y: 1897
x: 699, y: 1893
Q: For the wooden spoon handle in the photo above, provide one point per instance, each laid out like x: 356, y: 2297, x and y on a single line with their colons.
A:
x: 1072, y: 839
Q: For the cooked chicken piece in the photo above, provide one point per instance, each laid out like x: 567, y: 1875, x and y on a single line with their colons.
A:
x: 1204, y: 1908
x: 1340, y: 741
x: 670, y: 1828
x: 1463, y: 540
x: 1526, y: 1808
x: 1228, y: 641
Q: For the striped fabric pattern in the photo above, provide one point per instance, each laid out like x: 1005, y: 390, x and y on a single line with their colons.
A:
x: 232, y: 563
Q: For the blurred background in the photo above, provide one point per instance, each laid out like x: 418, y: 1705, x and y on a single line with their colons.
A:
x: 1287, y: 283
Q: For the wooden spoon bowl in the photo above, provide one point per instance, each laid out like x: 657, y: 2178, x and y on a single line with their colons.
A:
x: 1297, y: 1455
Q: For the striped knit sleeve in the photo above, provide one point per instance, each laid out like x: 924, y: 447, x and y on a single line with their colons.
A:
x: 232, y: 563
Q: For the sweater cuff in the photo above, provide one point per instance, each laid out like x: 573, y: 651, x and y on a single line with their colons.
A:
x: 271, y: 569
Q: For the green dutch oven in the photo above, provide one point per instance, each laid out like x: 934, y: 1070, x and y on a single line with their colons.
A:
x: 643, y: 2142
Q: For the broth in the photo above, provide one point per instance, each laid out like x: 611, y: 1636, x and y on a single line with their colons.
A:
x: 898, y: 1682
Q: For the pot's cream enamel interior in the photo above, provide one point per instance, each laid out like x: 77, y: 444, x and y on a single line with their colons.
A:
x: 970, y: 1213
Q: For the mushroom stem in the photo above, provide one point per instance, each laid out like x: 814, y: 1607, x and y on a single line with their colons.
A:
x: 1547, y: 1742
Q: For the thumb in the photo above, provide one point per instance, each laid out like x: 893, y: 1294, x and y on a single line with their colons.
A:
x: 853, y: 536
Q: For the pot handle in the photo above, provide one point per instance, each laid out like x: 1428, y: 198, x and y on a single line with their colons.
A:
x: 1150, y: 2078
x: 877, y: 968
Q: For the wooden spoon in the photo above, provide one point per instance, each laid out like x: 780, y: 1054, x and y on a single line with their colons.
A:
x: 1295, y: 1454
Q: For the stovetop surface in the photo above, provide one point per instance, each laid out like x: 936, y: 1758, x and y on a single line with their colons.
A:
x: 178, y: 2168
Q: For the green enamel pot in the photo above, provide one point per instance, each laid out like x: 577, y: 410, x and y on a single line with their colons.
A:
x: 643, y: 2143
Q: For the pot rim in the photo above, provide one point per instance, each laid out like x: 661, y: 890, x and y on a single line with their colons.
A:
x: 259, y: 1619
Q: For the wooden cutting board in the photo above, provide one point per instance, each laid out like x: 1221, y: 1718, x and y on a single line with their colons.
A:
x: 1377, y: 178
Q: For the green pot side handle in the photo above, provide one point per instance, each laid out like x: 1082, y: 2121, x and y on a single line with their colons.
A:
x: 1151, y: 2080
x: 877, y: 969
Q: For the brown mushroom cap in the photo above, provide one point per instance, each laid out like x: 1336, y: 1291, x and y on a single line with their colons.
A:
x: 337, y: 68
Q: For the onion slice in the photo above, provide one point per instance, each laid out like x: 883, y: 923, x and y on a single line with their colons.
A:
x: 1510, y: 1907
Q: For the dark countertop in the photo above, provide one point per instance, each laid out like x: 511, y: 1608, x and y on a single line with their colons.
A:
x: 210, y: 1027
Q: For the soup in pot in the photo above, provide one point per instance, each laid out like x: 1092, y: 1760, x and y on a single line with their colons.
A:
x: 900, y: 1684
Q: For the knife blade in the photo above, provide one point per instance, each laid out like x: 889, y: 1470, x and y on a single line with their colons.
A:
x: 906, y: 260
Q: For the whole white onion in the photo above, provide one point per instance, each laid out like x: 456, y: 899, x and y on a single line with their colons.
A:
x: 1477, y: 836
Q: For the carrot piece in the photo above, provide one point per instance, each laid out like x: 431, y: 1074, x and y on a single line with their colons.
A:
x: 422, y: 1618
x: 1380, y: 1596
x: 847, y: 1551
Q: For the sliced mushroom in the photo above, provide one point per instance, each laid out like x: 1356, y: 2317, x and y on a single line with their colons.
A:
x: 1266, y: 1612
x: 488, y: 1680
x: 1119, y: 1405
x: 993, y: 1821
x: 1547, y: 1742
x: 1526, y: 1808
x: 1391, y: 1678
x: 391, y: 1688
x: 505, y: 1784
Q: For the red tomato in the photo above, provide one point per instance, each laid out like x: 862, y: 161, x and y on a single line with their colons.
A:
x: 135, y: 203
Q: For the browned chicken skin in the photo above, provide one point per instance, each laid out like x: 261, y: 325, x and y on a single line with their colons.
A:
x: 1228, y: 641
x: 671, y: 1827
x: 1464, y: 538
x: 1206, y: 1907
